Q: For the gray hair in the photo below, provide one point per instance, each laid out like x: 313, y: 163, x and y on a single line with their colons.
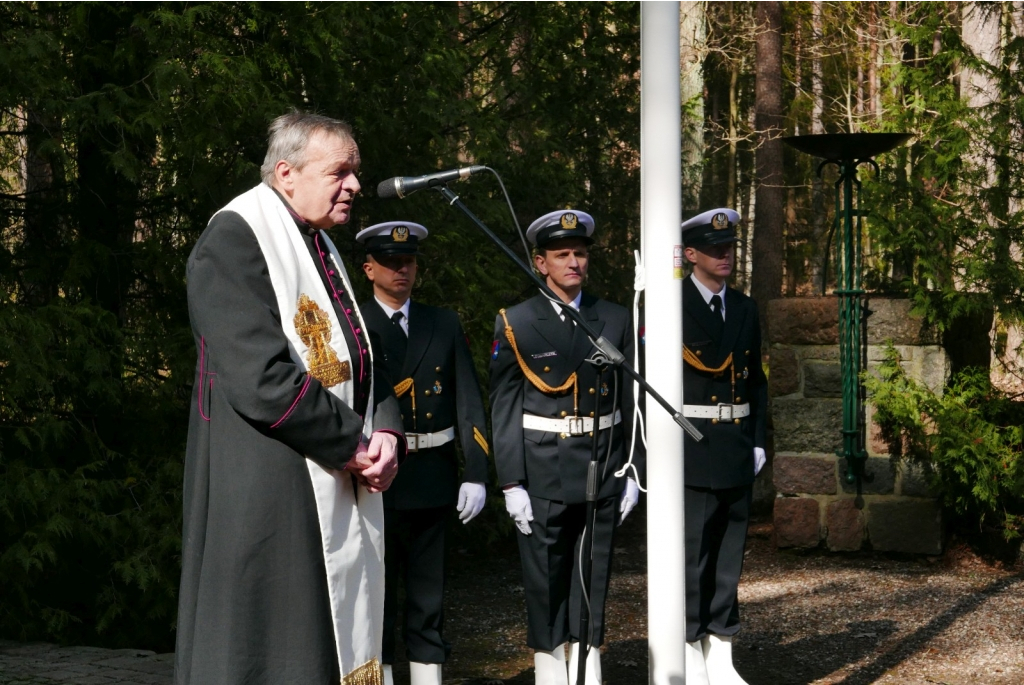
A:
x: 290, y: 135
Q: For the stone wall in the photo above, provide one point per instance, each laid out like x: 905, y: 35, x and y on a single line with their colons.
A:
x: 814, y: 505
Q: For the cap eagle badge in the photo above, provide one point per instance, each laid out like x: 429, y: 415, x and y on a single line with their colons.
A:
x: 569, y: 221
x: 720, y: 221
x: 400, y: 234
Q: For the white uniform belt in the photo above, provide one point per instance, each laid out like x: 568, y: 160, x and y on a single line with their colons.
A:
x: 424, y: 441
x: 722, y: 412
x: 570, y: 425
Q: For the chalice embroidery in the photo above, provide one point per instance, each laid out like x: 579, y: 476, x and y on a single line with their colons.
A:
x: 314, y: 328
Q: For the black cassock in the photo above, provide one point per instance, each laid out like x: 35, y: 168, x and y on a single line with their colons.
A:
x: 254, y: 605
x: 444, y: 392
x: 553, y: 466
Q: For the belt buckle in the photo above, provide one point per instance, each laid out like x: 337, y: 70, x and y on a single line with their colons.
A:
x: 576, y: 426
x: 414, y: 443
x: 722, y: 414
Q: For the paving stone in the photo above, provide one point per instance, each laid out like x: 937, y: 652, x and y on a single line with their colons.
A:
x: 910, y: 525
x: 805, y: 475
x: 797, y: 522
x: 845, y: 526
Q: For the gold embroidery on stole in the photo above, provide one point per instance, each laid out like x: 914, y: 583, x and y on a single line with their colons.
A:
x: 314, y: 328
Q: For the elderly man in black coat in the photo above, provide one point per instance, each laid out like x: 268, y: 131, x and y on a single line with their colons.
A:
x: 293, y: 435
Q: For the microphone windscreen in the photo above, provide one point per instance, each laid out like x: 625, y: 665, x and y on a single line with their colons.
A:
x: 388, y: 188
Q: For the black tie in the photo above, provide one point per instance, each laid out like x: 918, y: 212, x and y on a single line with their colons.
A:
x: 716, y: 310
x: 396, y: 319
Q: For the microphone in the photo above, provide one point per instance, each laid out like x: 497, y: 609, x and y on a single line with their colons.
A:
x: 400, y: 186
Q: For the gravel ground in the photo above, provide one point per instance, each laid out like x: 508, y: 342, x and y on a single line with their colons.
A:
x: 807, y: 617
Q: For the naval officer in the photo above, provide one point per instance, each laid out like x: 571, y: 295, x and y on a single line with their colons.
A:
x: 428, y: 358
x: 725, y: 396
x: 545, y: 401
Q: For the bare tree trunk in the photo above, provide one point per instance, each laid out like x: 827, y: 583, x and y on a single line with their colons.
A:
x: 692, y: 46
x: 766, y: 280
x: 818, y: 211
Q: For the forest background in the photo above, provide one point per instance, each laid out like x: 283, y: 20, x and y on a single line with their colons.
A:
x: 124, y: 126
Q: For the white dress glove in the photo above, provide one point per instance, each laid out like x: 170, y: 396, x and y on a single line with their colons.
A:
x: 759, y: 460
x: 517, y: 503
x: 471, y: 501
x: 630, y: 496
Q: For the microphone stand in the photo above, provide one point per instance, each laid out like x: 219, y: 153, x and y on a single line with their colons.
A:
x: 611, y: 353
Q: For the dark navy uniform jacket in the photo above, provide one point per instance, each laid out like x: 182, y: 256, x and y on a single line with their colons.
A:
x: 549, y: 465
x: 437, y: 359
x: 725, y: 457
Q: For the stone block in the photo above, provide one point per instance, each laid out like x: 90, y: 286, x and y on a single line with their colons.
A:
x: 797, y: 522
x: 803, y: 425
x: 803, y: 321
x: 914, y: 480
x: 783, y: 371
x: 891, y: 320
x: 932, y: 367
x: 876, y: 353
x: 805, y: 475
x: 845, y: 526
x: 879, y: 469
x: 825, y: 353
x: 822, y: 379
x: 910, y: 525
x: 877, y: 446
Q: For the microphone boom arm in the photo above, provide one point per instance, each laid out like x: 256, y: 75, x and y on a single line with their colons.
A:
x: 615, y: 357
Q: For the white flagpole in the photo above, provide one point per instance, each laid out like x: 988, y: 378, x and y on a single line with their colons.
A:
x: 661, y: 238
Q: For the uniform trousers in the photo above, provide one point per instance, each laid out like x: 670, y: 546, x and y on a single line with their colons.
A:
x: 551, y: 571
x: 716, y: 533
x: 414, y: 552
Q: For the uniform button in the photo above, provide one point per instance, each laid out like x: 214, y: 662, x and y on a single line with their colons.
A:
x: 348, y: 311
x: 546, y: 369
x: 402, y: 416
x: 747, y: 352
x: 363, y: 351
x: 714, y: 420
x: 592, y: 391
x: 331, y: 272
x: 563, y: 413
x: 714, y: 398
x: 736, y: 421
x: 563, y: 435
x: 698, y: 353
x: 429, y: 415
x: 591, y: 414
x: 358, y: 331
x: 591, y: 434
x: 738, y: 399
x: 427, y: 393
x: 437, y: 369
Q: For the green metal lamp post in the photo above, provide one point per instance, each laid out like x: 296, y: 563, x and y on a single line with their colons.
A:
x: 848, y: 151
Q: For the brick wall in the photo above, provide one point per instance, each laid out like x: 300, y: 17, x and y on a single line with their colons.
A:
x: 814, y: 505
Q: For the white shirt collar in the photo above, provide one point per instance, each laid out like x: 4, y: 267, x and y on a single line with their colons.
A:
x: 391, y: 312
x: 707, y: 294
x: 575, y: 304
